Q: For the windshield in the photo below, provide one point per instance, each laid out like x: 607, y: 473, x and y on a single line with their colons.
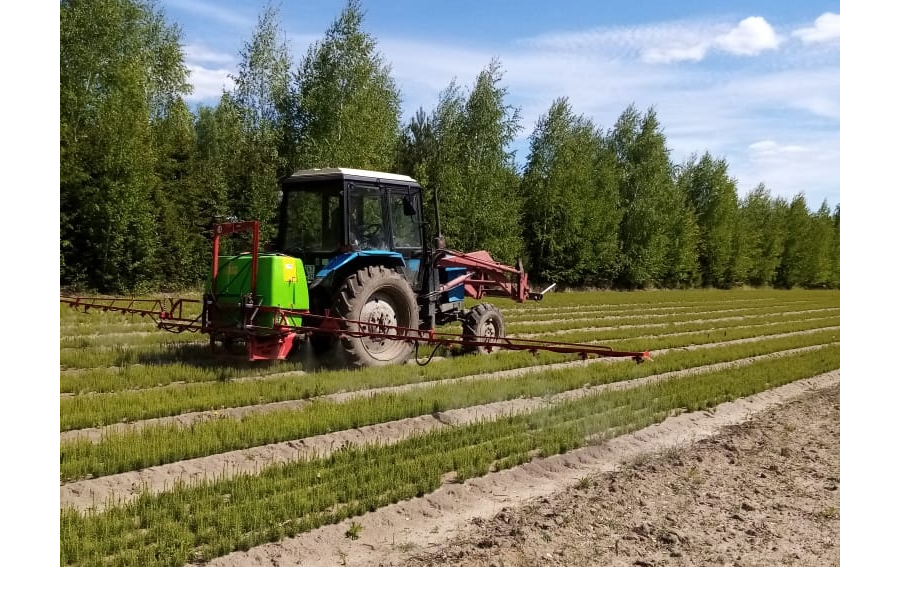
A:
x: 311, y: 219
x: 367, y: 229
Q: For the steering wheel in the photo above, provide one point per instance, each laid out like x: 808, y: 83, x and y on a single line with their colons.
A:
x: 371, y: 232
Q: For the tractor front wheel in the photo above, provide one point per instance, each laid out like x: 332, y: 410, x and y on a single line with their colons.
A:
x: 380, y: 300
x: 483, y: 323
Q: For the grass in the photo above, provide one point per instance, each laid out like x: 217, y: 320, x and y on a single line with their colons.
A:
x: 197, y: 523
x: 96, y: 410
x: 154, y: 445
x: 129, y: 371
x: 354, y: 530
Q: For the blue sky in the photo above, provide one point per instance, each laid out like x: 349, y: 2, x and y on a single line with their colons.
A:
x: 755, y: 82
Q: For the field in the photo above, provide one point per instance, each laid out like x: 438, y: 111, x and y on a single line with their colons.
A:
x: 173, y: 455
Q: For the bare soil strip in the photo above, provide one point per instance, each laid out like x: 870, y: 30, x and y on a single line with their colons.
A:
x: 95, y: 434
x: 673, y: 323
x: 96, y: 493
x: 428, y: 526
x: 648, y: 306
x: 765, y: 492
x: 590, y: 315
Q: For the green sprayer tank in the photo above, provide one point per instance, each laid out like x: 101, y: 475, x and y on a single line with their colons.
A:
x: 280, y: 283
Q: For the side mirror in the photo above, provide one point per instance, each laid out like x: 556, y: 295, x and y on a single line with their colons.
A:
x: 409, y: 209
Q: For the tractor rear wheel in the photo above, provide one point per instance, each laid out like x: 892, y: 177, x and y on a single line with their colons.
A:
x: 382, y: 299
x: 483, y: 321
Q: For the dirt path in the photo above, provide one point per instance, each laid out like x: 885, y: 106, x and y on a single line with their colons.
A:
x: 754, y: 482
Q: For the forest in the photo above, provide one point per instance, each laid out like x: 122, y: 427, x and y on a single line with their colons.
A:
x: 143, y: 175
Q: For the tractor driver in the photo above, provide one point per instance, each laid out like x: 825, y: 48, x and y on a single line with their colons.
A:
x: 366, y: 231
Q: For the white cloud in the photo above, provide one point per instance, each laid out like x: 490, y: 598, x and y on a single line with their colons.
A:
x: 665, y: 43
x: 208, y: 83
x: 693, y: 52
x: 213, y: 11
x: 810, y: 92
x: 825, y: 29
x: 729, y: 110
x: 751, y: 36
x: 424, y: 69
x: 200, y: 53
x: 724, y: 112
x: 788, y: 169
x: 655, y: 43
x: 772, y: 150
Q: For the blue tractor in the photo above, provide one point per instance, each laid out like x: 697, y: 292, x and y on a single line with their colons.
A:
x: 363, y: 241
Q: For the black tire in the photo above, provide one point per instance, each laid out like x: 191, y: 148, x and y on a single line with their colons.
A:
x: 322, y: 343
x: 381, y: 296
x: 483, y: 321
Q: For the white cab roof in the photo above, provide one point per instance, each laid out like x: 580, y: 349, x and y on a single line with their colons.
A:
x: 351, y: 173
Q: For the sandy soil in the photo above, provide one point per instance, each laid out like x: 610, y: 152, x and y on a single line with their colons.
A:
x: 763, y: 493
x: 754, y: 482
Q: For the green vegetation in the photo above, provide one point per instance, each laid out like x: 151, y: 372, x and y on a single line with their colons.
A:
x: 197, y: 523
x: 149, y: 446
x: 142, y: 176
x: 197, y: 363
x: 193, y: 523
x: 92, y: 410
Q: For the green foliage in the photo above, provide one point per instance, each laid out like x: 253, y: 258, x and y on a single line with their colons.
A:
x: 347, y: 105
x: 258, y: 107
x: 198, y: 522
x: 353, y: 531
x: 120, y: 71
x: 796, y: 265
x: 416, y: 146
x: 142, y: 178
x: 179, y: 200
x: 712, y: 195
x: 658, y: 232
x: 461, y: 153
x: 168, y: 443
x: 823, y: 252
x: 570, y: 212
x: 762, y: 225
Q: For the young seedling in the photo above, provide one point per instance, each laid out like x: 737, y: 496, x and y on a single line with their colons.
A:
x: 353, y: 531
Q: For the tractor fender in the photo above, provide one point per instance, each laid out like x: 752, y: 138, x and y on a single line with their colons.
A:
x: 331, y: 276
x: 362, y: 258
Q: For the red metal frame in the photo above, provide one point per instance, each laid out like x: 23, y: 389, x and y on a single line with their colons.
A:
x: 221, y: 229
x: 486, y: 277
x: 167, y: 313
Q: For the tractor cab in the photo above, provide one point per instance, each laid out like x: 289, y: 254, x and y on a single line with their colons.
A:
x: 332, y: 218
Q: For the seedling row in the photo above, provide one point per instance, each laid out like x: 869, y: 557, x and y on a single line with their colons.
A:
x: 197, y: 523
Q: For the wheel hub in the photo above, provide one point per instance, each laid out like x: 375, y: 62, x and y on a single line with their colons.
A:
x: 379, y: 315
